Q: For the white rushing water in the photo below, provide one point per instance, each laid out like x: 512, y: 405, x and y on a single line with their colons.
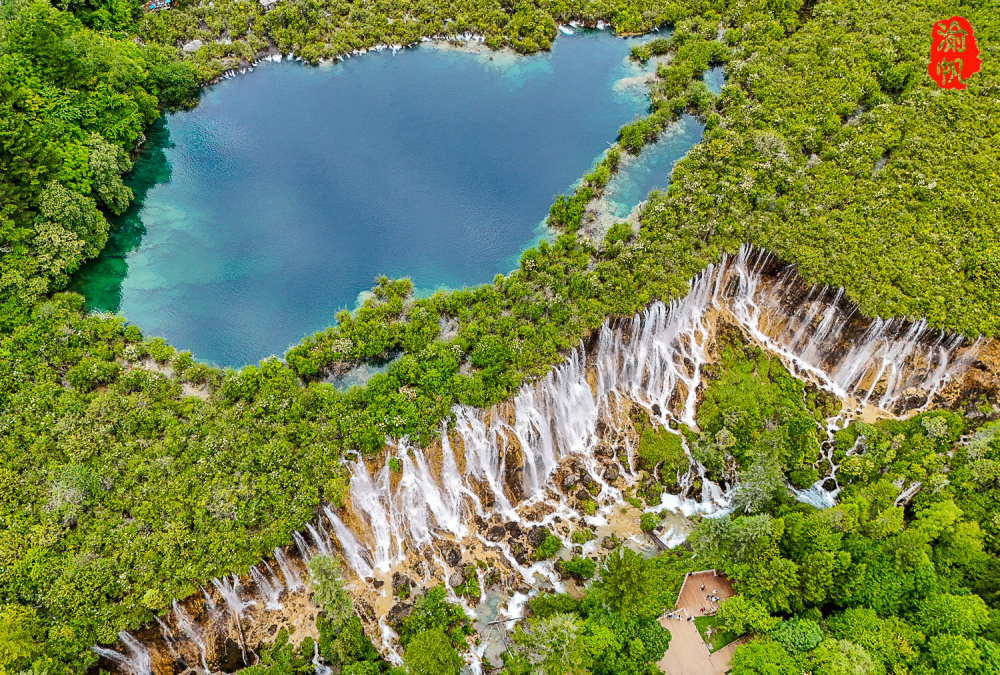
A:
x: 135, y: 659
x: 510, y: 452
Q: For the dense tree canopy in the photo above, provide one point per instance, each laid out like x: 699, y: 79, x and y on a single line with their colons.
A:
x: 131, y: 474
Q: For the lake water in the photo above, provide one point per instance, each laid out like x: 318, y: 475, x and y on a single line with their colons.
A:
x: 289, y: 189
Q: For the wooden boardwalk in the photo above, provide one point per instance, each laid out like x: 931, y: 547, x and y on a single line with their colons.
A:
x: 688, y: 654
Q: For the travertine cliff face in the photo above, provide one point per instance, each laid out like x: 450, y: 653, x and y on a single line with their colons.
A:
x: 469, y: 510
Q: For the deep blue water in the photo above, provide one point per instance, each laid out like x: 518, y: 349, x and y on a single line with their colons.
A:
x: 289, y: 189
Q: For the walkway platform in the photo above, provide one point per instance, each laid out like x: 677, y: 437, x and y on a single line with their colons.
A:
x: 688, y: 654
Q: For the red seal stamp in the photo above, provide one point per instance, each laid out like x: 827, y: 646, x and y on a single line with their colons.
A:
x: 954, y: 54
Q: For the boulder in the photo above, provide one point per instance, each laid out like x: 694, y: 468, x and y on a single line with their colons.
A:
x: 399, y: 611
x: 496, y: 533
x: 537, y: 535
x: 456, y: 579
x: 452, y: 555
x: 401, y: 584
x: 611, y: 473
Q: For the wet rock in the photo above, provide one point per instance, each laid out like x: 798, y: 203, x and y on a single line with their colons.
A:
x: 401, y: 584
x: 588, y: 481
x: 604, y: 451
x: 568, y: 482
x: 272, y: 629
x: 513, y: 530
x: 608, y: 543
x: 583, y: 496
x: 829, y: 485
x: 365, y: 610
x: 656, y: 410
x: 456, y: 580
x: 399, y: 611
x: 496, y: 533
x: 452, y: 555
x: 191, y: 47
x: 611, y: 473
x: 378, y: 583
x: 515, y: 484
x: 537, y: 535
x: 228, y: 657
x: 520, y: 553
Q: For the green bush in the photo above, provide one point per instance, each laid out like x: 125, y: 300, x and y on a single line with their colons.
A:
x: 797, y: 635
x: 648, y: 522
x: 582, y: 568
x: 548, y: 548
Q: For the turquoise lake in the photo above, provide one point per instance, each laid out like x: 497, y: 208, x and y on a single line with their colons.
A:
x: 289, y: 189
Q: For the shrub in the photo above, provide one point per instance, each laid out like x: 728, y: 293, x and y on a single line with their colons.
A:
x: 580, y: 567
x: 161, y: 352
x: 544, y: 606
x: 548, y: 548
x: 432, y: 610
x: 91, y: 373
x: 798, y: 635
x: 664, y: 448
x: 648, y: 522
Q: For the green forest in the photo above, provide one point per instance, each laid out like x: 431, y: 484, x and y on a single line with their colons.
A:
x: 828, y: 145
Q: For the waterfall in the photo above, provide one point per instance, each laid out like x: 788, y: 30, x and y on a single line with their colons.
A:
x: 322, y: 544
x: 349, y: 545
x: 577, y: 419
x: 270, y: 588
x: 136, y: 658
x: 292, y: 579
x: 366, y: 499
x: 230, y: 592
x: 319, y: 668
x: 210, y: 605
x: 168, y: 636
x: 300, y: 543
x: 186, y: 625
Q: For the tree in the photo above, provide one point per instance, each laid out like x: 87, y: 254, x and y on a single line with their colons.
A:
x: 553, y: 646
x: 758, y: 485
x: 953, y: 655
x: 21, y: 637
x: 798, y: 635
x: 430, y: 653
x: 763, y: 657
x: 740, y: 614
x: 954, y: 614
x: 889, y: 641
x: 328, y: 590
x: 842, y: 657
x: 625, y: 583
